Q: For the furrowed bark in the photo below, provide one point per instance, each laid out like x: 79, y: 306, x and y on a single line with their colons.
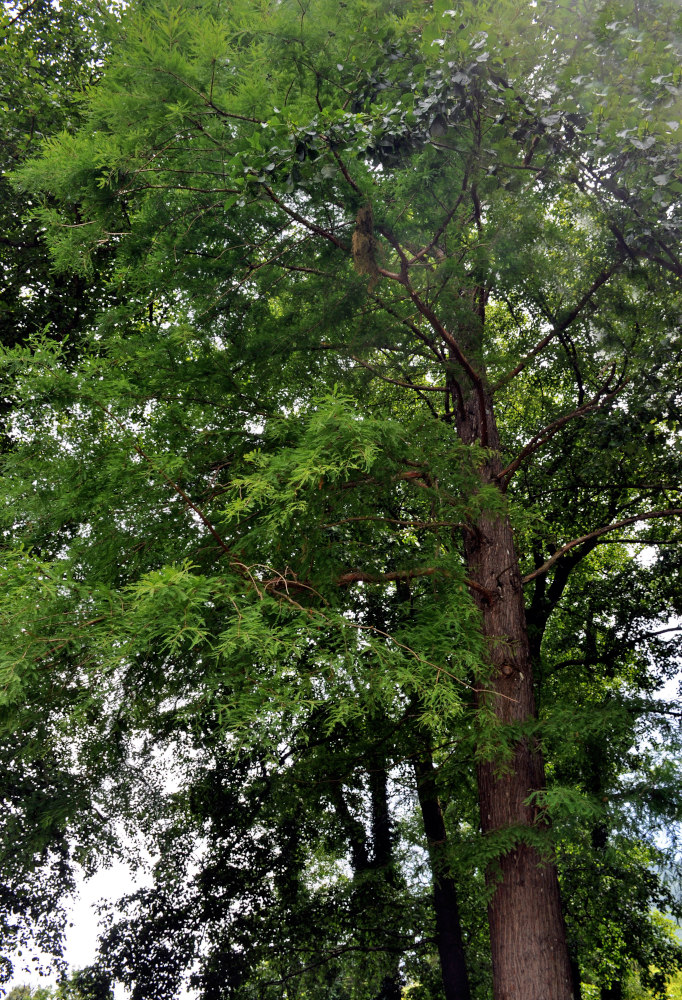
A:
x: 528, y: 939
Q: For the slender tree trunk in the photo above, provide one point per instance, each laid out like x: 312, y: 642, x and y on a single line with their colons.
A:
x: 382, y: 837
x: 528, y: 939
x: 448, y: 926
x: 576, y: 979
x: 382, y: 842
x: 382, y: 851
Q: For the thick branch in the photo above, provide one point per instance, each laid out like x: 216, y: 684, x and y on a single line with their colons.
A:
x: 359, y: 576
x: 460, y: 357
x: 671, y: 512
x: 445, y: 335
x: 568, y: 319
x: 548, y: 432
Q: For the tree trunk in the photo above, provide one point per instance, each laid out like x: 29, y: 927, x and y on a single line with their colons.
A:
x: 382, y: 851
x: 528, y: 939
x: 576, y: 979
x: 382, y: 839
x: 448, y: 926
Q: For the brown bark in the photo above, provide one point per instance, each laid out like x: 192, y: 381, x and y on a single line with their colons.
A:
x: 448, y: 927
x: 529, y: 951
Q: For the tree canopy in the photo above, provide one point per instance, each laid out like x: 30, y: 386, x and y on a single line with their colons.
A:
x: 341, y: 493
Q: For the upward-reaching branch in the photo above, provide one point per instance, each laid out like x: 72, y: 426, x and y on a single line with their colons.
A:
x: 546, y: 566
x: 568, y: 319
x: 598, y: 401
x: 446, y: 222
x: 325, y: 233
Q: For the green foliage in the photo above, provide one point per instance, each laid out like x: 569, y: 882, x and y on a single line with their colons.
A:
x: 28, y: 993
x: 83, y: 984
x: 239, y: 496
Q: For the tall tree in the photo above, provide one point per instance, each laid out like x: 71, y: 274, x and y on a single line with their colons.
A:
x: 468, y: 207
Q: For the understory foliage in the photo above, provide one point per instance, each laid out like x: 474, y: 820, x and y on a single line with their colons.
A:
x: 262, y: 261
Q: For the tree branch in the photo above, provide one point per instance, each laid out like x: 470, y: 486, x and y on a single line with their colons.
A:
x: 568, y: 319
x: 446, y: 222
x: 548, y: 432
x: 431, y: 344
x: 671, y: 512
x: 24, y: 10
x: 358, y: 576
x: 460, y: 357
x: 303, y: 221
x: 395, y: 381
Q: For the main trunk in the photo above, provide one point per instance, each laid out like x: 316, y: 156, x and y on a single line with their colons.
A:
x: 529, y: 952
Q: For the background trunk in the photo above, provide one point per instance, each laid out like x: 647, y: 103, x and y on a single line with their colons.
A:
x: 448, y: 926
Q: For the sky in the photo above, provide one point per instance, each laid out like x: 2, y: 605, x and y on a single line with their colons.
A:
x: 81, y: 937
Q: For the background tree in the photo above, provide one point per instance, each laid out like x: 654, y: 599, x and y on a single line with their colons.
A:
x: 82, y: 984
x: 48, y: 55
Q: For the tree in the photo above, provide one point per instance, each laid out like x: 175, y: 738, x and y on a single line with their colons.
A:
x: 27, y: 993
x: 83, y: 984
x: 50, y: 55
x: 408, y: 272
